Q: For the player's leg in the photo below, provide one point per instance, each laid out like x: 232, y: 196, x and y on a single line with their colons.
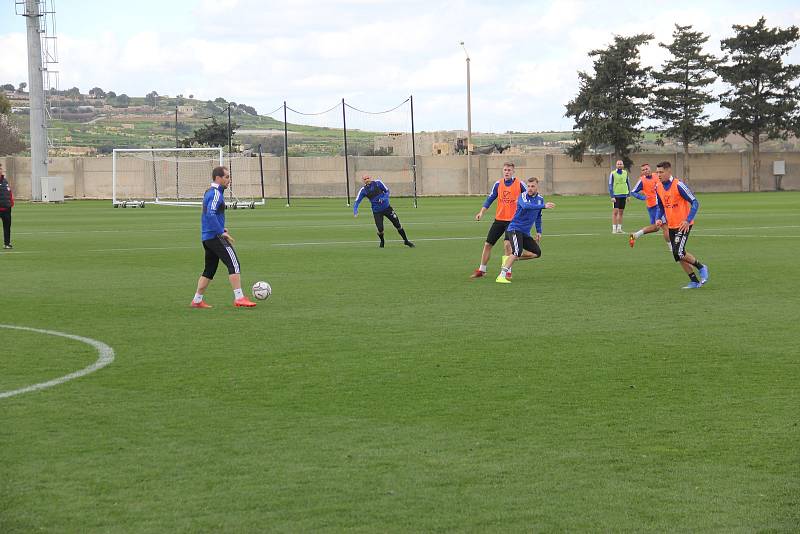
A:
x: 530, y: 248
x: 687, y: 262
x: 379, y: 225
x: 6, y: 216
x: 620, y: 204
x: 496, y: 231
x: 227, y: 255
x: 392, y: 216
x: 210, y: 269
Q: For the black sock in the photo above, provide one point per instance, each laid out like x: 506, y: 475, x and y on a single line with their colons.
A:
x: 381, y: 238
x: 693, y: 278
x: 697, y: 263
x: 402, y: 234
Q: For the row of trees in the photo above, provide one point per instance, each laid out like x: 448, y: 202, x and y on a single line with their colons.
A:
x: 10, y: 138
x: 761, y: 99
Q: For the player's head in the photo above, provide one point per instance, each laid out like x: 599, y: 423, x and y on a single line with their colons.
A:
x: 508, y: 169
x: 221, y: 176
x: 366, y: 179
x: 645, y: 169
x: 620, y: 164
x: 533, y: 185
x: 664, y: 171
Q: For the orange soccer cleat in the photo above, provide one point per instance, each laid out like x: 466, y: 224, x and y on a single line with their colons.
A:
x: 632, y: 240
x: 477, y: 274
x: 244, y: 302
x: 201, y: 304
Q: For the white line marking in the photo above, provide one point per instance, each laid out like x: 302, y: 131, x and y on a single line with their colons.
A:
x: 106, y: 356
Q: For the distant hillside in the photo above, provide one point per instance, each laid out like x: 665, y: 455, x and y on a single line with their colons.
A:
x: 96, y: 123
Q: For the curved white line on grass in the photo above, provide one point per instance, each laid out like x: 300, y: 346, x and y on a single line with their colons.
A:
x: 106, y: 356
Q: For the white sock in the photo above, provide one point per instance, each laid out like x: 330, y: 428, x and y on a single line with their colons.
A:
x: 503, y: 271
x: 237, y: 293
x: 637, y: 234
x: 482, y: 268
x: 197, y: 298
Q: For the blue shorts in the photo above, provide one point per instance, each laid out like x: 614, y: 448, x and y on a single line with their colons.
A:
x: 652, y: 211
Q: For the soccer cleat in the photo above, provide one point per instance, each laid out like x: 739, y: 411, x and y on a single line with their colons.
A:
x: 704, y: 274
x: 502, y: 279
x: 632, y: 240
x: 7, y: 246
x: 244, y: 302
x: 477, y: 273
x: 693, y: 285
x: 201, y: 304
x: 409, y: 244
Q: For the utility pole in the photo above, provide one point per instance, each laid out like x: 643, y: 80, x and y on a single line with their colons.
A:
x: 469, y: 125
x: 38, y: 119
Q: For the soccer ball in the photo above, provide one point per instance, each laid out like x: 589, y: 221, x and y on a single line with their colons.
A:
x: 262, y: 290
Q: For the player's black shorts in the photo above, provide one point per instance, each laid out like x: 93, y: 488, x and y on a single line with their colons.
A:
x: 496, y: 231
x: 390, y: 214
x: 678, y: 241
x: 218, y: 249
x: 521, y: 241
x: 619, y: 202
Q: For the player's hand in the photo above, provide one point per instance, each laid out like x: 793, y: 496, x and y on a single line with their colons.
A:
x: 355, y: 215
x: 478, y: 216
x: 684, y: 227
x: 228, y: 237
x: 659, y: 223
x: 538, y: 237
x: 549, y: 205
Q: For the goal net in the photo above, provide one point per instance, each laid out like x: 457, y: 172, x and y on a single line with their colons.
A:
x: 180, y: 177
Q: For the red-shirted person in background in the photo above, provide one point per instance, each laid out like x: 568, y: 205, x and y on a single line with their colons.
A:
x: 6, y: 203
x: 678, y: 205
x: 645, y: 189
x: 507, y: 192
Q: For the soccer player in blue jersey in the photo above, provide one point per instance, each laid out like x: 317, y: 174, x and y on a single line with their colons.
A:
x: 378, y: 195
x: 529, y: 213
x: 218, y: 243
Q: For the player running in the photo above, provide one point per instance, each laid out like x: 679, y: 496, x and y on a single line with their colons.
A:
x: 507, y: 192
x: 378, y: 195
x: 645, y: 189
x: 679, y: 206
x: 518, y: 233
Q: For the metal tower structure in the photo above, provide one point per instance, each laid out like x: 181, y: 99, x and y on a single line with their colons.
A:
x: 42, y: 53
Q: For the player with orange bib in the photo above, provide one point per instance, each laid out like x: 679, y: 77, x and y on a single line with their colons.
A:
x: 678, y: 206
x: 645, y: 189
x: 506, y: 192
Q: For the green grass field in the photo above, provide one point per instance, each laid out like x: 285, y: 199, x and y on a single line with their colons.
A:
x: 383, y: 390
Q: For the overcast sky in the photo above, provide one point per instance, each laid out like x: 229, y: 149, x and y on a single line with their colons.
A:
x: 525, y: 55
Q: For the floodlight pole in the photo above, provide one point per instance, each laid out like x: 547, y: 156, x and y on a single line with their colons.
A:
x: 413, y: 152
x: 286, y: 152
x: 38, y: 118
x: 469, y: 125
x: 346, y: 166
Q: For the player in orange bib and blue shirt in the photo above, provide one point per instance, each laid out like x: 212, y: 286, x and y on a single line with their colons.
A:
x: 645, y: 189
x: 506, y: 192
x: 678, y: 206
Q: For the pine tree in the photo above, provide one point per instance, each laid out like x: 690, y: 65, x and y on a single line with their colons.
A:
x: 763, y: 99
x: 611, y: 103
x: 681, y: 95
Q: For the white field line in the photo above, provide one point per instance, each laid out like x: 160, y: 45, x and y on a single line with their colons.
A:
x: 372, y: 241
x: 106, y: 356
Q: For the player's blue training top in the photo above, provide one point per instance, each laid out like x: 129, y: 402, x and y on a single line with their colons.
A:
x: 529, y: 212
x: 378, y: 195
x: 493, y: 195
x: 212, y: 221
x: 686, y: 193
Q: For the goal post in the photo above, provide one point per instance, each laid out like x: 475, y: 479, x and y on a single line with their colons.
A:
x: 178, y: 177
